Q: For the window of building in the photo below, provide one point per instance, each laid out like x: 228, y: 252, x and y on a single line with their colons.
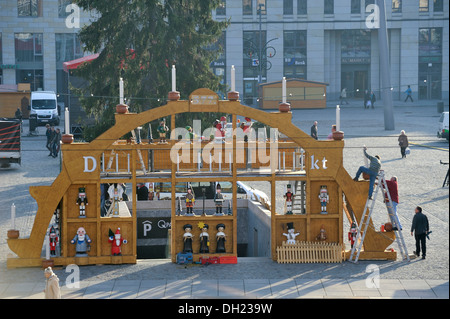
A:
x: 430, y: 63
x: 329, y: 7
x: 33, y: 76
x: 62, y: 4
x: 295, y: 54
x: 355, y: 44
x: 28, y: 47
x: 288, y: 7
x: 356, y: 7
x: 247, y: 7
x: 424, y: 5
x: 368, y: 2
x: 1, y: 60
x: 396, y: 6
x: 261, y: 5
x: 219, y: 65
x: 438, y: 6
x: 29, y: 8
x: 221, y: 10
x: 302, y: 7
x: 254, y: 63
x: 68, y: 48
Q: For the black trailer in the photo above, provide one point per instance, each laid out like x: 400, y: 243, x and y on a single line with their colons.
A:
x: 9, y: 141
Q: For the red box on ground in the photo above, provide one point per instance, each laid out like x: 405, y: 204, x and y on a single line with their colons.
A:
x: 228, y: 260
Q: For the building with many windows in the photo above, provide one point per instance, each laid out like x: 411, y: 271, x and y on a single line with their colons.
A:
x: 318, y: 40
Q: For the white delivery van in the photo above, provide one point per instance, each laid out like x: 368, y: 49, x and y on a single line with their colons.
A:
x: 45, y: 106
x: 443, y: 126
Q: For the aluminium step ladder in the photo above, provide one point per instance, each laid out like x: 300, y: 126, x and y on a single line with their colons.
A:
x: 366, y: 218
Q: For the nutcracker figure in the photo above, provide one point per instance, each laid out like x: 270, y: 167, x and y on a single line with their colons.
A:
x: 204, y: 238
x: 223, y: 124
x: 324, y: 199
x: 246, y: 128
x: 189, y: 135
x: 115, y: 192
x: 289, y: 196
x: 81, y: 240
x: 221, y: 239
x: 116, y: 240
x: 82, y: 202
x: 290, y: 236
x: 218, y: 200
x: 162, y: 130
x: 190, y: 201
x: 352, y: 234
x: 187, y: 239
x: 53, y: 237
x: 322, y: 235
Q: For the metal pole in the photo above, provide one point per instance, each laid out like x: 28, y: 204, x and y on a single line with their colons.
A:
x: 385, y: 69
x: 260, y: 44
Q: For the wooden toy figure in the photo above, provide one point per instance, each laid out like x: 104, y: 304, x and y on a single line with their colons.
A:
x: 324, y: 199
x: 81, y: 240
x: 162, y: 130
x: 189, y: 135
x: 116, y: 240
x: 218, y: 200
x: 322, y: 235
x: 82, y: 202
x: 290, y: 236
x: 115, y: 192
x: 204, y: 238
x: 221, y: 239
x: 223, y: 124
x: 190, y: 201
x: 289, y: 196
x: 53, y: 241
x: 352, y: 234
x: 187, y: 239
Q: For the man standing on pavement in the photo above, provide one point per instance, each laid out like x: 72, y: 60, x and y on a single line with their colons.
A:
x: 420, y: 229
x: 373, y: 170
x: 314, y: 131
x: 56, y: 142
x: 49, y: 133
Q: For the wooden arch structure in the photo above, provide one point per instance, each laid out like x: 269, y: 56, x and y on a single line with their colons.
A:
x: 83, y: 165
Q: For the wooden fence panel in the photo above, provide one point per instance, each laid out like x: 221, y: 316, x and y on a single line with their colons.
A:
x: 309, y: 252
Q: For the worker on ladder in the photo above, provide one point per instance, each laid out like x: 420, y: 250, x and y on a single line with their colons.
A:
x: 372, y: 171
x: 392, y: 185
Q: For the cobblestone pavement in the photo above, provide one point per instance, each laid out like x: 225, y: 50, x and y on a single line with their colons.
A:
x: 420, y: 181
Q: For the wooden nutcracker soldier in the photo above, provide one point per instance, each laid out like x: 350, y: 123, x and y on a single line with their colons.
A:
x: 116, y: 240
x: 289, y: 196
x: 290, y: 236
x: 218, y: 200
x: 162, y: 130
x: 352, y: 234
x: 115, y: 192
x: 324, y: 199
x: 190, y: 201
x: 53, y: 238
x: 82, y: 202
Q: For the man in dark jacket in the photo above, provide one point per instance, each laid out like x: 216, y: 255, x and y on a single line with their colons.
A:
x: 420, y: 229
x: 314, y: 131
x: 373, y: 170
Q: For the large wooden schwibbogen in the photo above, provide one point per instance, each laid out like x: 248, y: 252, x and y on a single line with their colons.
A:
x: 83, y: 165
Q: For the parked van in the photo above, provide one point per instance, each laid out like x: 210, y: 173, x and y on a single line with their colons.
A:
x: 443, y: 126
x: 45, y: 106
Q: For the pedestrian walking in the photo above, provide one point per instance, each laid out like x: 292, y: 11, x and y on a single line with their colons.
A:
x: 52, y: 289
x: 420, y: 229
x: 49, y: 133
x: 373, y: 99
x: 56, y: 143
x: 343, y: 96
x: 409, y: 94
x: 314, y: 131
x: 403, y: 143
x: 372, y: 171
x: 18, y: 115
x: 367, y: 101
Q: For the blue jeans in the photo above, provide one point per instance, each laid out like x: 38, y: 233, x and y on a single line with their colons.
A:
x: 373, y: 177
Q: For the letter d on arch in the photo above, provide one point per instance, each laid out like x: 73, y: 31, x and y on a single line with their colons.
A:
x: 88, y: 159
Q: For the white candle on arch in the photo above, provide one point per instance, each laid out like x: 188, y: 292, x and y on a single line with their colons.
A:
x: 121, y: 101
x: 338, y: 118
x: 284, y: 94
x: 233, y: 78
x: 66, y: 120
x: 174, y: 79
x: 13, y: 216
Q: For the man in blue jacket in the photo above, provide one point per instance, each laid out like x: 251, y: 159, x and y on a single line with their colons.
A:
x: 420, y: 229
x: 372, y: 170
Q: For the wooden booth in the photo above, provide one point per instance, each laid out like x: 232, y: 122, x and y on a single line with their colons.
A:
x: 13, y: 97
x: 301, y: 94
x: 310, y: 166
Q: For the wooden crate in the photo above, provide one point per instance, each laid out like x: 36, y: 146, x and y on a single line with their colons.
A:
x: 309, y: 252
